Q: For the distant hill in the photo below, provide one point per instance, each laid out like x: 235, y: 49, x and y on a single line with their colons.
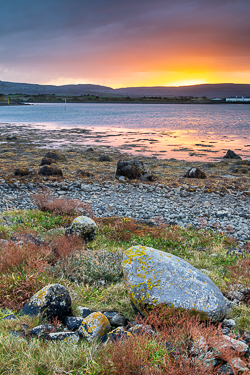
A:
x: 222, y: 90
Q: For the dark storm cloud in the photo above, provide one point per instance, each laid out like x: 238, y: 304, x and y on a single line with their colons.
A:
x: 53, y: 32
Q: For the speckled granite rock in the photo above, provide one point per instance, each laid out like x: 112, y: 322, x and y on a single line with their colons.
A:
x: 83, y: 226
x: 95, y: 326
x: 52, y: 301
x: 153, y: 277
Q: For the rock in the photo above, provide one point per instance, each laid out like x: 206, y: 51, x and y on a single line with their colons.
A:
x: 238, y: 364
x: 239, y: 170
x: 84, y: 311
x: 110, y: 314
x: 95, y: 326
x: 72, y: 322
x: 50, y: 170
x: 55, y: 155
x: 66, y: 337
x: 195, y: 173
x: 122, y: 179
x: 231, y: 155
x: 23, y: 171
x: 238, y: 346
x: 139, y: 329
x: 105, y: 158
x: 118, y: 320
x: 230, y: 323
x: 52, y: 301
x: 11, y: 137
x: 42, y: 330
x: 133, y: 169
x: 7, y: 315
x: 82, y: 226
x: 154, y: 277
x: 225, y: 370
x: 90, y: 149
x: 116, y: 335
x: 47, y: 161
x: 82, y: 173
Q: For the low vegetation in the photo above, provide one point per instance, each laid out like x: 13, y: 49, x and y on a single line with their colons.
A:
x: 35, y: 252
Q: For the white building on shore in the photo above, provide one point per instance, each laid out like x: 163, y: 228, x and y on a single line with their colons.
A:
x: 238, y: 100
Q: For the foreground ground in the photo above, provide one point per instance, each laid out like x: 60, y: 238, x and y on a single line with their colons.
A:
x: 34, y: 252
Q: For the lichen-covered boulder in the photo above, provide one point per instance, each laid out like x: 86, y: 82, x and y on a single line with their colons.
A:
x: 82, y: 226
x: 133, y: 169
x: 95, y: 326
x: 153, y: 277
x: 52, y: 301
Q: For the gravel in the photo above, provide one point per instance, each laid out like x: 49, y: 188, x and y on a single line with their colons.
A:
x: 225, y: 212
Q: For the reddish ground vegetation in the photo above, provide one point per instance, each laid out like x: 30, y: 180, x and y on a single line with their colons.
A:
x: 59, y: 206
x: 188, y: 350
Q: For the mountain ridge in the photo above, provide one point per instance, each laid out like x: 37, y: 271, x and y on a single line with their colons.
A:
x: 211, y: 90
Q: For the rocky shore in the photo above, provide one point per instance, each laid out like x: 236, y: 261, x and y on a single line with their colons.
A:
x: 218, y: 202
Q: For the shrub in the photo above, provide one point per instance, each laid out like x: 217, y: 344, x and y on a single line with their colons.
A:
x: 90, y: 266
x: 59, y: 206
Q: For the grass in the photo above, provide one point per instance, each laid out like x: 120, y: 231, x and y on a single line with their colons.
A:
x: 52, y: 260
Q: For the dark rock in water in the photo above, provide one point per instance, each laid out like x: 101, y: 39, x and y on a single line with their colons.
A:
x: 23, y: 171
x: 105, y: 158
x: 53, y: 301
x: 231, y: 155
x: 118, y: 320
x: 49, y: 170
x: 195, y: 173
x: 90, y: 149
x: 82, y: 173
x: 72, y: 322
x: 133, y: 169
x: 47, y: 161
x: 55, y: 155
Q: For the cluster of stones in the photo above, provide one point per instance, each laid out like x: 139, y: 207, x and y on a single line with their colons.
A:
x: 152, y: 278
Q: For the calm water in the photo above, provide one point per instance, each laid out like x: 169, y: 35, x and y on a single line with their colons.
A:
x: 185, y: 124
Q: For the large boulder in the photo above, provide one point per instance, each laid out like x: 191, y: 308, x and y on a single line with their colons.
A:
x: 52, y: 301
x: 23, y: 171
x: 95, y: 326
x: 82, y: 226
x: 153, y: 277
x: 231, y: 155
x: 133, y: 169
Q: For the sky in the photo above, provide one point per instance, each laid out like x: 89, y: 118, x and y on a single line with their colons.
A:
x: 125, y: 43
